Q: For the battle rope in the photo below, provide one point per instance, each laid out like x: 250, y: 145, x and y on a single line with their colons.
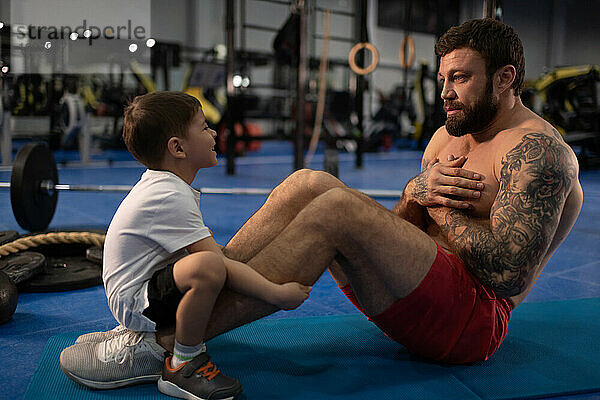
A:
x: 314, y: 140
x: 24, y: 243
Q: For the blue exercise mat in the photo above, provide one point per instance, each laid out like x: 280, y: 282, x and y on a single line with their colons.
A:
x: 552, y: 348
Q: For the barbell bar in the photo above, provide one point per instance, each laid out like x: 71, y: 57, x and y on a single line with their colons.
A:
x: 34, y: 187
x: 49, y: 186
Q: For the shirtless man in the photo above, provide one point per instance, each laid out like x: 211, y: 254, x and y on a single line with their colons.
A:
x: 497, y: 194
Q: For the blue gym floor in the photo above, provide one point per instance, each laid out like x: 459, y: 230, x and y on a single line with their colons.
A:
x: 573, y: 272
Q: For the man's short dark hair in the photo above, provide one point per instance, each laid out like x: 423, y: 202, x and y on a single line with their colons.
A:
x: 498, y: 44
x: 152, y: 119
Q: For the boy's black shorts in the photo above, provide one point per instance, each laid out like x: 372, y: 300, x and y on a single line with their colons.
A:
x: 163, y: 297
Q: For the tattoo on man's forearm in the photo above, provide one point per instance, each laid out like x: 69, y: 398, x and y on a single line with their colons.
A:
x: 536, y: 176
x: 419, y: 191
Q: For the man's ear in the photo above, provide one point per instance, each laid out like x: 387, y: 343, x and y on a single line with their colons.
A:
x: 175, y: 147
x: 505, y: 77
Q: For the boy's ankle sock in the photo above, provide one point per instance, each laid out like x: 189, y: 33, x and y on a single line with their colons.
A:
x: 182, y: 353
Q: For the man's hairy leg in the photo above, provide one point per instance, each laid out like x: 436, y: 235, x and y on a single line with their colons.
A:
x: 335, y: 269
x: 281, y: 207
x: 387, y: 256
x: 388, y: 262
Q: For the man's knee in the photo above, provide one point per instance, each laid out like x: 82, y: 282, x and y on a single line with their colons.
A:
x: 319, y: 182
x: 343, y: 198
x: 300, y: 175
x: 306, y: 184
x: 335, y: 208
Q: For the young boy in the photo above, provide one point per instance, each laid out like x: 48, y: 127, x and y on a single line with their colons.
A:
x: 161, y: 263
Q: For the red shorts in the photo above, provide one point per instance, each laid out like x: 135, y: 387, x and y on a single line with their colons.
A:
x: 450, y: 317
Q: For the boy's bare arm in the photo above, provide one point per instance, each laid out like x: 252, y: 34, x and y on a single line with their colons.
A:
x: 245, y: 280
x: 206, y: 244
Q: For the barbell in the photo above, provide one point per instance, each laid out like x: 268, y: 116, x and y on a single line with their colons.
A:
x: 34, y: 188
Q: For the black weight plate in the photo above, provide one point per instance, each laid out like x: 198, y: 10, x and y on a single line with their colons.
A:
x: 94, y: 254
x: 22, y: 266
x: 64, y: 273
x: 33, y: 207
x: 8, y: 298
x: 8, y: 236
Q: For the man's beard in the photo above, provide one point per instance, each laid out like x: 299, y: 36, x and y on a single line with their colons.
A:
x: 474, y: 118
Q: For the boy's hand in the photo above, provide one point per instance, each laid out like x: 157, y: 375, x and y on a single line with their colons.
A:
x: 290, y: 295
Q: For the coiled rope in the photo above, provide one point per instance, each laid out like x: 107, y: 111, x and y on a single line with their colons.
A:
x: 27, y: 242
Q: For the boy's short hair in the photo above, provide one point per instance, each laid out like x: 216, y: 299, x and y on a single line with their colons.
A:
x: 152, y: 119
x: 498, y: 44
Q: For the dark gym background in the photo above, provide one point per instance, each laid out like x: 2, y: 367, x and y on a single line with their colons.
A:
x: 375, y: 127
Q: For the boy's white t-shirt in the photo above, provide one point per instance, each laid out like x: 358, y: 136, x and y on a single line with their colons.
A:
x: 151, y: 228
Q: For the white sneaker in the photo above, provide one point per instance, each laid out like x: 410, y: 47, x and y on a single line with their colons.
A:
x: 97, y: 337
x: 123, y: 360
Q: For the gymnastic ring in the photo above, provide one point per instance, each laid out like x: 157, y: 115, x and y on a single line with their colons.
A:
x: 411, y: 52
x: 359, y: 46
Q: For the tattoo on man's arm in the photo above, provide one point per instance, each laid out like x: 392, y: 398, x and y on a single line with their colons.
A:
x: 535, y: 179
x: 424, y: 163
x: 419, y: 191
